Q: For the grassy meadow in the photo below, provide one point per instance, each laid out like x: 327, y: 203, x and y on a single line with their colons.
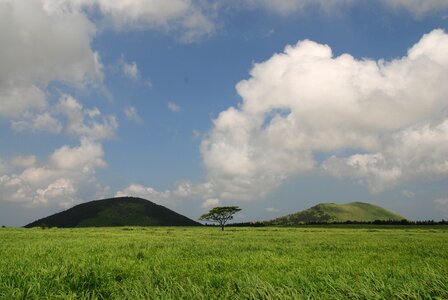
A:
x: 239, y: 263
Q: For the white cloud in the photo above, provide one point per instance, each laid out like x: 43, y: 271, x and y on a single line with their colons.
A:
x: 210, y: 203
x: 85, y: 158
x: 132, y: 115
x: 185, y: 18
x: 286, y: 7
x: 272, y: 209
x: 370, y: 169
x: 182, y: 191
x: 173, y: 107
x: 408, y: 194
x: 187, y: 189
x: 17, y: 98
x: 130, y: 70
x: 88, y: 124
x: 294, y: 6
x: 94, y: 127
x: 68, y: 172
x: 196, y: 134
x: 31, y: 60
x: 418, y: 7
x: 61, y: 190
x: 24, y: 161
x: 442, y: 204
x: 40, y: 122
x: 414, y: 153
x: 148, y: 193
x: 392, y: 114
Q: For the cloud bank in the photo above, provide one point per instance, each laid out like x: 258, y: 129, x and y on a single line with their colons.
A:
x: 30, y: 60
x: 69, y: 170
x: 380, y: 123
x: 391, y: 115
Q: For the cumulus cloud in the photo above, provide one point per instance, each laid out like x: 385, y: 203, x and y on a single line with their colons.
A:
x: 182, y: 191
x: 413, y: 153
x: 24, y: 161
x: 40, y: 122
x: 31, y: 60
x: 61, y: 189
x: 69, y: 170
x: 85, y: 158
x: 391, y: 114
x: 69, y: 116
x: 86, y: 122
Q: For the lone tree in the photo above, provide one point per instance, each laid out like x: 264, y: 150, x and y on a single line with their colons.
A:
x: 220, y: 215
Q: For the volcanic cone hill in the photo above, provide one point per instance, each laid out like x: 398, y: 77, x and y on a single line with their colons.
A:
x: 330, y: 212
x: 122, y: 211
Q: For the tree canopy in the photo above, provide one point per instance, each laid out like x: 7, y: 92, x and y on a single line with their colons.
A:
x: 220, y: 215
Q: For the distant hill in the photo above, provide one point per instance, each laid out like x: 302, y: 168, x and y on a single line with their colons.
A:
x: 330, y: 212
x: 123, y: 211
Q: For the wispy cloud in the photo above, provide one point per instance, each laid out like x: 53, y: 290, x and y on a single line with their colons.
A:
x: 272, y: 209
x: 132, y: 115
x: 210, y: 203
x: 130, y: 70
x: 173, y: 107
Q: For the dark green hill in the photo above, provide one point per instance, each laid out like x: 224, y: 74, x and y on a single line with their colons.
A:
x: 330, y: 212
x: 124, y: 211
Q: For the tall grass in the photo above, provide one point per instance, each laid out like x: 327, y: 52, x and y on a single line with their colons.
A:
x: 239, y: 263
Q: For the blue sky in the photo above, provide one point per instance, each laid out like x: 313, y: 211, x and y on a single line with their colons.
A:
x: 271, y: 105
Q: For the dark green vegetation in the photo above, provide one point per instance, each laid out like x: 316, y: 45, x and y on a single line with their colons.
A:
x: 220, y: 215
x: 123, y: 211
x: 330, y: 212
x: 239, y: 263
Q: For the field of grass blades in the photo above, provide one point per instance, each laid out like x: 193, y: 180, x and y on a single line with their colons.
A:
x: 239, y: 263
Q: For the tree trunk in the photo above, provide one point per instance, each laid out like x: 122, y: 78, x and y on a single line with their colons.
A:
x: 222, y: 227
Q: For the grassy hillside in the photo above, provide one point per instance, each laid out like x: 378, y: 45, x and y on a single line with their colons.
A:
x: 330, y: 212
x: 123, y: 211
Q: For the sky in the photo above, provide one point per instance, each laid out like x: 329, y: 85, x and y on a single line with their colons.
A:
x: 271, y: 105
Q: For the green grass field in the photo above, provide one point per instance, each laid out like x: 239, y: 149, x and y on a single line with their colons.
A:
x: 239, y: 263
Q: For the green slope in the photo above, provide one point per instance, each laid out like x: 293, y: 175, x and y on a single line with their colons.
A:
x: 330, y: 212
x: 123, y: 211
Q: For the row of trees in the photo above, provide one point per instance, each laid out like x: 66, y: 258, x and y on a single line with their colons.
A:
x: 221, y: 215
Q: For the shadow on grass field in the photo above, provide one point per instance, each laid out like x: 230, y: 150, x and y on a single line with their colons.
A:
x: 314, y: 262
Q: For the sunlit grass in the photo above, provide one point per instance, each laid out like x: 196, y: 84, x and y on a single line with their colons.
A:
x: 239, y: 263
